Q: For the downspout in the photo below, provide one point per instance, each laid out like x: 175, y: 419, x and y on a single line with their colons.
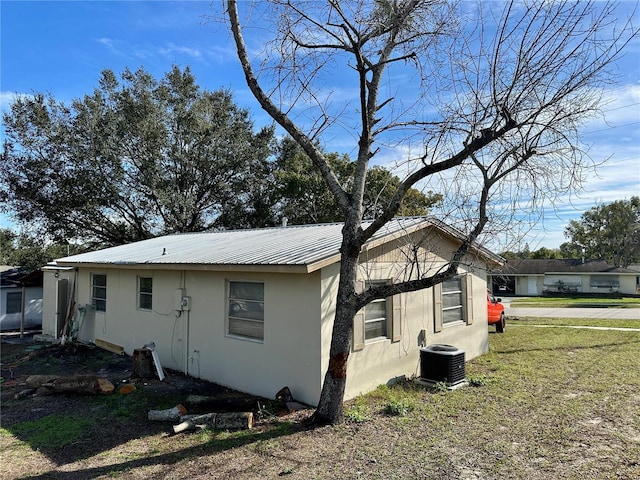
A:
x: 185, y: 313
x: 22, y: 301
x: 56, y: 275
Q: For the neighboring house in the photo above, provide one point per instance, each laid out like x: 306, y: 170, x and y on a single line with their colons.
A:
x: 20, y: 299
x: 253, y: 309
x: 534, y: 277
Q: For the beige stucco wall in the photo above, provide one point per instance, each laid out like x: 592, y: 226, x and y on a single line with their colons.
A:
x: 195, y: 341
x: 383, y: 361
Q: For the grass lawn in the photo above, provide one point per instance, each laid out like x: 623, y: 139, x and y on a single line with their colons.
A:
x: 587, y: 322
x: 543, y: 403
x: 575, y: 302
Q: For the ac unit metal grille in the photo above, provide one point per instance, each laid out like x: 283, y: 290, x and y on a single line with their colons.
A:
x: 442, y: 363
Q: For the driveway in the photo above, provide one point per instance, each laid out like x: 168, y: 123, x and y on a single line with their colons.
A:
x: 600, y: 313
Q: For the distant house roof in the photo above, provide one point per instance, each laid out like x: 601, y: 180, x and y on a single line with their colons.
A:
x: 304, y: 248
x: 13, y: 277
x: 545, y: 266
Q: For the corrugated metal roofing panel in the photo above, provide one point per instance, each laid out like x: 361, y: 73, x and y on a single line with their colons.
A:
x: 296, y: 245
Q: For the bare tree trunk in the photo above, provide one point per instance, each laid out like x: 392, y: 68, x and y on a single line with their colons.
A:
x: 330, y: 405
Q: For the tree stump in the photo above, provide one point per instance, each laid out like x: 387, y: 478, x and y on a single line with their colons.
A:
x: 143, y: 366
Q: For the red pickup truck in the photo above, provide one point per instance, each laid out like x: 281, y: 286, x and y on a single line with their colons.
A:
x: 495, y: 312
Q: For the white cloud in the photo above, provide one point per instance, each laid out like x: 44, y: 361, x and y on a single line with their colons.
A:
x: 172, y: 49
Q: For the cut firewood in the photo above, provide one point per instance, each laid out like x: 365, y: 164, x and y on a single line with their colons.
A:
x: 236, y: 402
x: 24, y: 393
x: 80, y: 384
x: 167, y: 415
x: 220, y: 421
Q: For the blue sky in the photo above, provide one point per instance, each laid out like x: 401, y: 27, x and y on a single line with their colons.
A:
x: 62, y: 47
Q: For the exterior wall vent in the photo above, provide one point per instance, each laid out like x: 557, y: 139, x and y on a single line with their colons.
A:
x: 442, y: 363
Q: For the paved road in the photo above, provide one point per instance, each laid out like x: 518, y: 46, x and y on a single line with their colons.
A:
x: 617, y: 313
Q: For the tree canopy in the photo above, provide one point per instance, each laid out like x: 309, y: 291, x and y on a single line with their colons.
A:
x: 608, y: 232
x: 303, y: 197
x: 29, y: 251
x: 135, y: 159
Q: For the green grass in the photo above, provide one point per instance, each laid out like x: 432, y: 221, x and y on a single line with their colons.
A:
x: 535, y: 401
x: 52, y: 431
x: 575, y: 302
x: 587, y: 322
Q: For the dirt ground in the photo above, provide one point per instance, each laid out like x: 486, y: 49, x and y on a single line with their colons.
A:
x: 19, y: 360
x: 114, y: 419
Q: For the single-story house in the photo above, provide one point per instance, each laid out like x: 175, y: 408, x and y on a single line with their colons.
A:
x: 253, y: 309
x: 20, y: 298
x: 535, y: 277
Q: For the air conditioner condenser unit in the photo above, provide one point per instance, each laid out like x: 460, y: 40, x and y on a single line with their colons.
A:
x: 441, y: 363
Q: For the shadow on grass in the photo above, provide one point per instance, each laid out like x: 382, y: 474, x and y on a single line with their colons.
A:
x: 209, y: 447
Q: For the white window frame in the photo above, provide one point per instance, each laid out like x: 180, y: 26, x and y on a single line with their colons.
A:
x: 100, y: 302
x: 140, y: 294
x: 376, y: 320
x: 449, y: 292
x: 254, y: 308
x: 393, y: 318
x: 466, y: 295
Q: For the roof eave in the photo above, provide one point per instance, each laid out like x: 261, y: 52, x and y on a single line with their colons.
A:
x: 194, y: 266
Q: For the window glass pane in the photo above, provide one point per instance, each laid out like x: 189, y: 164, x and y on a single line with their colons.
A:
x: 246, y: 329
x: 375, y: 329
x: 452, y: 315
x: 246, y: 309
x: 14, y: 302
x: 376, y: 309
x: 246, y: 291
x: 451, y: 300
x: 145, y: 293
x: 452, y: 285
x: 146, y: 284
x: 145, y: 302
x: 99, y: 292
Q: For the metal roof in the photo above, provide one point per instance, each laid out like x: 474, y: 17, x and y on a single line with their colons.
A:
x: 299, y: 247
x: 534, y: 266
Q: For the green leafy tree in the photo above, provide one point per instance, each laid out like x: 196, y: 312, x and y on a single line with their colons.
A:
x: 609, y: 232
x: 29, y: 251
x: 546, y: 253
x: 489, y: 108
x: 303, y: 196
x: 137, y: 158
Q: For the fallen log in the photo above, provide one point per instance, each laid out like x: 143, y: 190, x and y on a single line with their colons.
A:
x: 167, y: 415
x: 24, y: 393
x: 226, y: 401
x: 219, y: 421
x: 79, y: 384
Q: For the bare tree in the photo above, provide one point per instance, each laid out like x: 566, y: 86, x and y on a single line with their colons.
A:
x: 497, y: 101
